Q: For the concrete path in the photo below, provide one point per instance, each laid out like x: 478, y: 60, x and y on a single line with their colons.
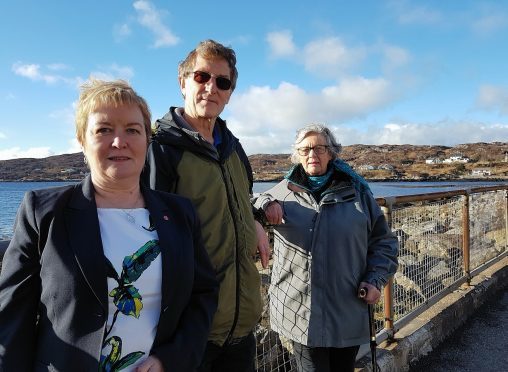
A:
x: 469, y: 325
x: 479, y: 345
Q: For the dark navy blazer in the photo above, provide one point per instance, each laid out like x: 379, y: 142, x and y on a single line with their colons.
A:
x: 53, y: 285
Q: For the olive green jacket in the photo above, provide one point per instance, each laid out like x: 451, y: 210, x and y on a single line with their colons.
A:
x: 218, y: 180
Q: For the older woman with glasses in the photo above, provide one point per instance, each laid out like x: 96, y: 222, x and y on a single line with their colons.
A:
x: 332, y: 242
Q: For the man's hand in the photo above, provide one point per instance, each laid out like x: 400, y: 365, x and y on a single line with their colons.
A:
x: 273, y: 213
x: 151, y: 364
x: 373, y: 294
x: 263, y: 244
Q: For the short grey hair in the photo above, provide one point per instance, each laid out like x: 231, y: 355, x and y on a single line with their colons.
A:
x: 209, y: 50
x: 334, y: 148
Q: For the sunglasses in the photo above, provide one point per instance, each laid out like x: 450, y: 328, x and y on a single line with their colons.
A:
x: 318, y: 149
x: 202, y: 77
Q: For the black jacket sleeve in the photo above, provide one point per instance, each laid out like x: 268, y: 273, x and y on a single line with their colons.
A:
x: 20, y: 293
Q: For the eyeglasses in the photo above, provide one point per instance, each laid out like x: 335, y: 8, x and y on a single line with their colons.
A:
x: 318, y: 149
x: 202, y: 77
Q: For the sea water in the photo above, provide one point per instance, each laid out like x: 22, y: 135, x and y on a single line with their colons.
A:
x: 11, y: 194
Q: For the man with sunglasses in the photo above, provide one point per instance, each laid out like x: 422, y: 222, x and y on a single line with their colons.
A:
x: 194, y: 154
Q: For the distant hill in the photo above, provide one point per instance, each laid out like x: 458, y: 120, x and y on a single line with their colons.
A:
x: 404, y: 162
x: 374, y: 162
x: 65, y: 167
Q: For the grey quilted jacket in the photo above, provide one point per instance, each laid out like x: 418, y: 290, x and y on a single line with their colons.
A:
x: 322, y: 251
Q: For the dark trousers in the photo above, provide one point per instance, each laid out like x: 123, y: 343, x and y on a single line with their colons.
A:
x: 236, y: 356
x: 325, y: 359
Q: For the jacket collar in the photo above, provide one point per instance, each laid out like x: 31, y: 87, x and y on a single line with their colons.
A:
x: 343, y: 174
x: 85, y: 240
x: 171, y: 131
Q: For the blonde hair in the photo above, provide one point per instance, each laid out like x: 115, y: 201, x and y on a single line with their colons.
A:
x: 97, y: 93
x: 209, y: 50
x: 334, y: 148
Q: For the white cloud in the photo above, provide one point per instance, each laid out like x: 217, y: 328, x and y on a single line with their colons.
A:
x: 151, y: 18
x: 35, y: 72
x: 355, y: 97
x: 10, y: 96
x: 281, y: 44
x: 266, y: 119
x: 74, y: 146
x: 32, y: 72
x: 330, y: 56
x: 272, y: 141
x: 435, y: 133
x: 17, y: 152
x: 2, y: 136
x: 492, y: 97
x: 289, y: 107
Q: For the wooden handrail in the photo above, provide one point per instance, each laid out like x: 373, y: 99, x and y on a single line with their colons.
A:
x: 385, y: 201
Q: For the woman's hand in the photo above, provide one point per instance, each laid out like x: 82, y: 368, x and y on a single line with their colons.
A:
x: 371, y: 294
x: 273, y: 213
x: 151, y: 364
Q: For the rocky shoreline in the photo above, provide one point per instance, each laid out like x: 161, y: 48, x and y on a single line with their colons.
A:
x: 376, y: 163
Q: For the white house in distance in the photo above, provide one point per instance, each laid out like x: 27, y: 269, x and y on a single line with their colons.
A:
x: 433, y: 161
x: 481, y: 172
x: 457, y: 159
x: 451, y: 159
x: 366, y: 167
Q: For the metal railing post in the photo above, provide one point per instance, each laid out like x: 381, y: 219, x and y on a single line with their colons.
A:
x: 466, y: 237
x: 506, y: 220
x: 388, y: 290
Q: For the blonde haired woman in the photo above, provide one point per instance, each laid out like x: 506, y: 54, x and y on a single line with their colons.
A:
x: 106, y: 275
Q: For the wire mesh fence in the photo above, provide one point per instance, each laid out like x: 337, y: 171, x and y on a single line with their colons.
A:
x: 431, y: 234
x: 430, y: 251
x: 487, y: 227
x: 273, y: 352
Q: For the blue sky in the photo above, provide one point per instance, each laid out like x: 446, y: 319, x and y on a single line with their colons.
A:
x: 394, y: 72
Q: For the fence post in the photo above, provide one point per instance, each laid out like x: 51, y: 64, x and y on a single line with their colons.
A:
x: 388, y: 290
x: 466, y: 237
x: 506, y: 220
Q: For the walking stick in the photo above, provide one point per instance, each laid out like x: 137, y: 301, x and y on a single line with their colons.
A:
x: 372, y: 329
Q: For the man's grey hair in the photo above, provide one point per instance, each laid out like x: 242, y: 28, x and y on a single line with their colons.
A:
x: 334, y: 148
